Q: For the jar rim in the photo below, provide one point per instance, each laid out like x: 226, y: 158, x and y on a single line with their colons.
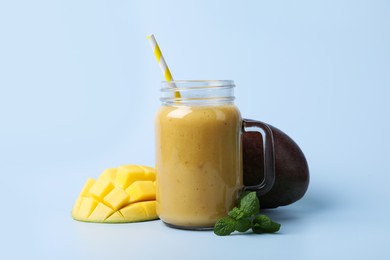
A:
x: 225, y: 81
x: 197, y: 92
x: 189, y: 85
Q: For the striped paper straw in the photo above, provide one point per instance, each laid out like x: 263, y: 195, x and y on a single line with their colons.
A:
x: 161, y: 61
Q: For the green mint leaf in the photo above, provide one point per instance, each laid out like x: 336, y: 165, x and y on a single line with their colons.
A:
x: 260, y: 223
x: 275, y: 227
x: 224, y: 226
x: 236, y: 213
x: 249, y: 204
x: 263, y: 224
x: 242, y: 195
x: 243, y: 225
x: 262, y: 220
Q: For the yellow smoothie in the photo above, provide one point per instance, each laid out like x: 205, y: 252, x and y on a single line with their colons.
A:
x: 198, y: 161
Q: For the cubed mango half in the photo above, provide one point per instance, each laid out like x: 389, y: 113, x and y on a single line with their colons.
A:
x: 119, y: 195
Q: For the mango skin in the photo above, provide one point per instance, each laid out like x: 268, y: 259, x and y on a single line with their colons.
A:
x: 291, y: 168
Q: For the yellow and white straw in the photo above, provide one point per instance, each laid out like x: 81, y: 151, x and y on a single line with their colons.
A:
x: 161, y: 61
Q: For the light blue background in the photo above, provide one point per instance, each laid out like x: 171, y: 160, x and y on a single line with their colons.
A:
x: 79, y: 87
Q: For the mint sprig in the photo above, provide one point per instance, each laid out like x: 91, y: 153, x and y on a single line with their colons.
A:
x: 244, y: 217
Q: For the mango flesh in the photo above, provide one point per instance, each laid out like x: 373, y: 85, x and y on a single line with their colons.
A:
x: 119, y: 195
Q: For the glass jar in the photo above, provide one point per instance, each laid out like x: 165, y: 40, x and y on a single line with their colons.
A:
x: 198, y: 153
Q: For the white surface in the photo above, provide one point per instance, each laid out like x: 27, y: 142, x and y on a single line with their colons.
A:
x: 79, y: 89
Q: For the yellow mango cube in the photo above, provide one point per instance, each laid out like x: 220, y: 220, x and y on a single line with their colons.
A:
x: 116, y: 199
x: 108, y: 174
x: 149, y: 171
x: 150, y: 208
x: 127, y: 174
x: 140, y: 211
x: 141, y: 191
x: 85, y: 190
x: 133, y: 212
x: 100, y: 213
x: 76, y: 206
x: 87, y: 205
x: 101, y: 188
x: 115, y: 218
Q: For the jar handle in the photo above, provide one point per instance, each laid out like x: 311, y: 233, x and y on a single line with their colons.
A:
x: 249, y: 125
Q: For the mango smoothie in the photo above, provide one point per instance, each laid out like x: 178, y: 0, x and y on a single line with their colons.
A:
x: 198, y: 161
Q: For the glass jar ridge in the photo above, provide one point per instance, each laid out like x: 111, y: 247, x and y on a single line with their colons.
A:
x: 197, y: 92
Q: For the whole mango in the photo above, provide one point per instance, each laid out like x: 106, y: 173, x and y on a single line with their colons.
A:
x: 291, y: 168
